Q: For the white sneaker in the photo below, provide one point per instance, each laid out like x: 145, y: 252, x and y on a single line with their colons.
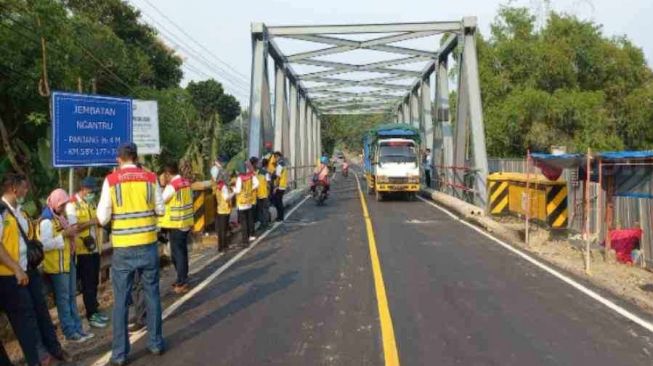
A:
x: 87, y: 336
x: 252, y: 238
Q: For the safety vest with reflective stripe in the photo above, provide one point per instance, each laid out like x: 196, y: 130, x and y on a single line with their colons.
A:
x: 246, y: 195
x: 223, y: 205
x: 282, y: 180
x: 262, y: 192
x: 84, y: 213
x: 272, y: 163
x: 179, y: 210
x: 11, y: 239
x: 58, y: 260
x: 133, y: 220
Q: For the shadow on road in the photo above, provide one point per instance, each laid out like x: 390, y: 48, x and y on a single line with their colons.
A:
x: 254, y: 294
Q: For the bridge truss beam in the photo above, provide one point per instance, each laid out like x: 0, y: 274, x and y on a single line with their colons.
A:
x: 293, y: 124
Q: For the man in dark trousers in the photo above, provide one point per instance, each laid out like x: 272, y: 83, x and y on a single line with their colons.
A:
x: 178, y: 220
x: 280, y: 184
x: 130, y: 202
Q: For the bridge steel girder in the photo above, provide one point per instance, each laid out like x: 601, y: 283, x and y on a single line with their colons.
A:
x: 413, y: 100
x: 315, y: 142
x: 257, y: 98
x: 440, y: 27
x: 469, y: 118
x: 280, y: 110
x: 405, y: 109
x: 442, y: 137
x: 298, y: 110
x: 302, y: 136
x: 426, y: 122
x: 293, y: 146
x: 310, y: 115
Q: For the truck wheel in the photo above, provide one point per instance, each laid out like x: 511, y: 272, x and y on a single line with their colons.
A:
x: 379, y: 196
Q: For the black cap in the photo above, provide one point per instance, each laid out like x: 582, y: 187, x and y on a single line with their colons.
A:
x: 89, y: 182
x: 128, y: 149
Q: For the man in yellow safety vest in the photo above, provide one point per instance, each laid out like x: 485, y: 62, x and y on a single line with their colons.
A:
x: 131, y: 200
x: 223, y: 196
x: 22, y: 290
x: 280, y: 184
x: 245, y: 190
x: 80, y: 211
x: 263, y: 192
x: 178, y: 220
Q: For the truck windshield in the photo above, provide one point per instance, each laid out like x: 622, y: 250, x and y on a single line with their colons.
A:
x: 397, y: 153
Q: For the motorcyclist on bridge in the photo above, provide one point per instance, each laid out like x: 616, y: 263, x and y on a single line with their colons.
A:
x: 321, y: 174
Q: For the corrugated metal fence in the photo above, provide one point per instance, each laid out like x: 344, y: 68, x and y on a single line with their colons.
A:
x: 629, y: 212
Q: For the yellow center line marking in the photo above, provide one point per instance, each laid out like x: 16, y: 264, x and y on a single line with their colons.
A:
x: 390, y: 352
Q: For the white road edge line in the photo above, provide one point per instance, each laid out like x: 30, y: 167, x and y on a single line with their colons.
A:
x: 592, y: 294
x: 104, y: 360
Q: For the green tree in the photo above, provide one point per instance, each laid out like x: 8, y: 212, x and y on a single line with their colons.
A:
x: 228, y: 108
x: 163, y: 65
x: 206, y: 95
x: 210, y: 99
x: 566, y: 84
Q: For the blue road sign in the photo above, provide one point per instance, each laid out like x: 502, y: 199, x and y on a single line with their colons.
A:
x: 87, y: 129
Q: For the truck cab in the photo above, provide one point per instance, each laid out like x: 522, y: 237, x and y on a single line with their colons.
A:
x: 397, y: 166
x: 392, y: 162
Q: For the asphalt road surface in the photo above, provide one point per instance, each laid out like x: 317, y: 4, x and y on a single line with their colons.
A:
x: 305, y: 296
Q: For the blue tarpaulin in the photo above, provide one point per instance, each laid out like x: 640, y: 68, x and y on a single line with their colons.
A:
x: 626, y: 155
x: 629, y: 180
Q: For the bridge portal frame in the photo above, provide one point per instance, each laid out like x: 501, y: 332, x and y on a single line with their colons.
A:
x: 294, y: 123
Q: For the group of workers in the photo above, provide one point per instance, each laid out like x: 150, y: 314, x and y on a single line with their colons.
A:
x: 250, y: 189
x: 137, y: 208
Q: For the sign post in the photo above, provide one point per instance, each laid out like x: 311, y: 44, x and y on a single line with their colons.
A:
x: 146, y: 126
x: 87, y: 129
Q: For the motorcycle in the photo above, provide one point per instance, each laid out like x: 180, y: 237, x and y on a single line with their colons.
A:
x: 319, y: 193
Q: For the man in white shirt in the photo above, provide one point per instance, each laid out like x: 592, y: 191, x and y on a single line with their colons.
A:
x: 428, y: 168
x: 131, y: 200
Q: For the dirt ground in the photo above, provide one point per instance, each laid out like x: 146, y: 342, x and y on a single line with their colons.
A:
x: 629, y: 282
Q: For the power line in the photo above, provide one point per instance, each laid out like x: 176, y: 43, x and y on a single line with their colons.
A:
x: 245, y: 78
x: 200, y: 59
x: 238, y: 81
x: 191, y: 53
x: 197, y: 71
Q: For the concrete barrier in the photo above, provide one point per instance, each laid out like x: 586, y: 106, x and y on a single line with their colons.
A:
x: 472, y: 214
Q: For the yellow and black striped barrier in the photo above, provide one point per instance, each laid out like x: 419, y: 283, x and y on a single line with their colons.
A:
x: 508, y: 193
x: 498, y: 197
x: 556, y: 206
x: 199, y: 210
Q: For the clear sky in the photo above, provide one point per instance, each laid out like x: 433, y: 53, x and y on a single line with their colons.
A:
x: 223, y: 27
